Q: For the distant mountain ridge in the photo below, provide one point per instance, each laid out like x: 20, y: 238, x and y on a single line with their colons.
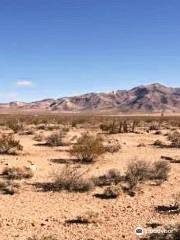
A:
x: 144, y: 99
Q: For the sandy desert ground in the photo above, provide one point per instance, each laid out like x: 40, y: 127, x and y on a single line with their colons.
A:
x: 32, y: 212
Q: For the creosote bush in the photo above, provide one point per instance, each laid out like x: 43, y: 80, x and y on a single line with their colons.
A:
x: 72, y: 179
x: 113, y: 176
x: 9, y: 187
x: 136, y: 172
x: 88, y: 148
x: 15, y: 125
x: 159, y: 170
x: 112, y: 147
x: 140, y: 171
x: 56, y: 139
x: 111, y: 192
x: 174, y: 138
x: 8, y: 145
x: 17, y: 173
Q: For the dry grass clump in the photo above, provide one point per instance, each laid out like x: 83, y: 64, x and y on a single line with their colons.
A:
x: 111, y: 192
x: 70, y: 178
x: 113, y: 147
x: 155, y: 126
x: 56, y: 139
x: 141, y: 171
x: 174, y: 138
x: 136, y: 172
x: 8, y: 145
x: 15, y: 125
x: 73, y: 180
x: 159, y: 170
x: 113, y: 176
x: 9, y: 187
x: 17, y: 173
x: 88, y: 148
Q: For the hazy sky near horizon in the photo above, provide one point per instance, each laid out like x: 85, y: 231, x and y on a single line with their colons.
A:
x: 54, y: 48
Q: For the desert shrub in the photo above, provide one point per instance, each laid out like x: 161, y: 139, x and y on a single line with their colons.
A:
x: 112, y: 147
x: 39, y: 137
x: 154, y: 127
x: 88, y: 148
x: 136, y: 172
x: 111, y: 192
x: 27, y: 131
x: 116, y: 127
x: 15, y: 125
x: 158, y: 143
x: 160, y: 170
x: 56, y: 139
x: 174, y: 138
x: 140, y: 171
x: 41, y: 127
x: 113, y: 176
x: 17, y: 173
x: 8, y: 145
x: 70, y: 178
x: 9, y: 187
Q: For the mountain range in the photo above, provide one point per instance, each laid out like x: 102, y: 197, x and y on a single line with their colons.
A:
x: 150, y: 98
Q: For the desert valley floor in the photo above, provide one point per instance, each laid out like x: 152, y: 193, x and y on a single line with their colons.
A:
x: 34, y: 212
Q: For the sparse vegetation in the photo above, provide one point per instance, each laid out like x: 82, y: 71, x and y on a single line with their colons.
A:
x: 70, y: 178
x: 15, y: 125
x: 56, y: 139
x: 140, y: 171
x: 8, y: 145
x: 112, y: 147
x: 17, y: 173
x: 160, y: 170
x: 174, y: 138
x: 9, y: 187
x: 73, y: 187
x: 111, y: 192
x: 88, y: 148
x: 113, y: 176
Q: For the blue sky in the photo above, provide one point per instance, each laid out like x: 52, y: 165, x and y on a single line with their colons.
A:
x: 54, y: 48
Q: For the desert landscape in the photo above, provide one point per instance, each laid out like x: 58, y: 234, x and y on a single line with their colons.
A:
x: 89, y: 120
x: 68, y: 176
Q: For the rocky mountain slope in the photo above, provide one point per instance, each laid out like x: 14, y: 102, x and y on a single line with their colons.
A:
x: 148, y: 98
